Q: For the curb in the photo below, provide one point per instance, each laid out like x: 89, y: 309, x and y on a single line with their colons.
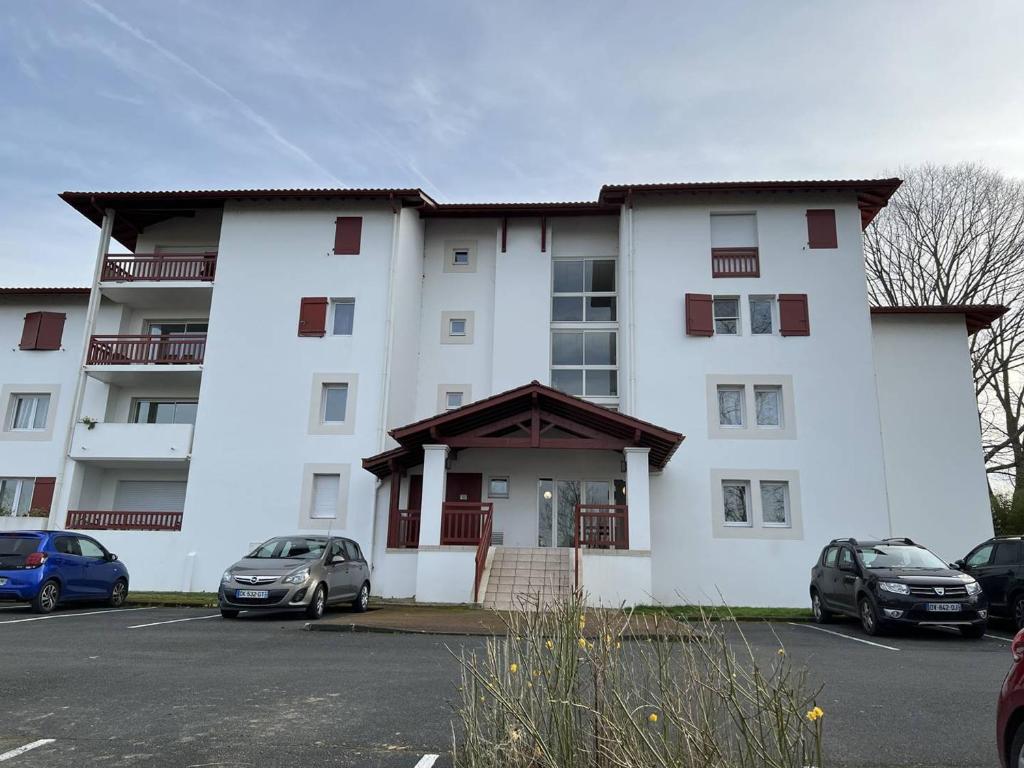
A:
x: 317, y: 627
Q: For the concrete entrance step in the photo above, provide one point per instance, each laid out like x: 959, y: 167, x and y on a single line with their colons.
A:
x: 518, y: 573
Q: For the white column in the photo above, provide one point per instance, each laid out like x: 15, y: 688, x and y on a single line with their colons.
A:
x: 638, y: 497
x: 434, y: 458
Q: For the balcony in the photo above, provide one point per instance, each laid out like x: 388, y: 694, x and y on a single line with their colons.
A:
x: 735, y: 262
x: 462, y: 523
x: 162, y: 267
x: 105, y: 520
x: 164, y: 443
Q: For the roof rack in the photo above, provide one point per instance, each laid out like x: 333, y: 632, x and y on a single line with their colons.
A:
x: 848, y: 540
x: 900, y: 540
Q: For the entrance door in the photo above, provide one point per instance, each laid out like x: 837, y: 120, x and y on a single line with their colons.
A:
x: 556, y: 511
x: 464, y: 486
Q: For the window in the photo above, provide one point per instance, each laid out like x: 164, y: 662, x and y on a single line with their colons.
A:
x: 163, y: 412
x: 352, y: 550
x: 325, y: 496
x: 584, y: 363
x: 29, y: 411
x: 774, y: 503
x: 452, y: 400
x: 1007, y: 553
x: 457, y: 326
x: 730, y: 406
x: 727, y: 315
x: 846, y: 557
x: 733, y: 230
x: 980, y: 556
x: 831, y: 555
x: 762, y: 315
x: 460, y: 257
x: 335, y: 403
x: 176, y: 327
x: 736, y: 507
x: 497, y: 488
x: 15, y: 496
x: 90, y: 548
x: 583, y: 290
x: 768, y: 405
x: 344, y: 316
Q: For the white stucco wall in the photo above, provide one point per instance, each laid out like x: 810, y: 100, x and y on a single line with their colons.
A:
x: 934, y: 468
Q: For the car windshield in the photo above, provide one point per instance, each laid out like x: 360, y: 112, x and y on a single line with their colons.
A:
x: 289, y: 548
x: 898, y: 556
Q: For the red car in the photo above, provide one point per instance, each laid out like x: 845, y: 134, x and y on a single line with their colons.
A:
x: 1010, y: 710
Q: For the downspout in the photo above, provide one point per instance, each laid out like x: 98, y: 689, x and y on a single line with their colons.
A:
x: 630, y: 256
x: 106, y: 228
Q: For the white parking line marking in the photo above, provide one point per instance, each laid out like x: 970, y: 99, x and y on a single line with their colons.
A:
x: 998, y: 637
x: 24, y: 749
x: 72, y: 615
x: 426, y: 761
x: 175, y: 621
x: 840, y: 634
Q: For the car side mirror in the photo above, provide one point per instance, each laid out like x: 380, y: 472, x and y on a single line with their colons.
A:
x: 958, y: 565
x: 111, y: 557
x: 335, y: 559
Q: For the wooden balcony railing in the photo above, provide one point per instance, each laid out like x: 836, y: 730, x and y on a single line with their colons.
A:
x: 462, y: 522
x: 735, y: 262
x: 602, y: 526
x: 404, y: 529
x: 82, y: 520
x: 482, y: 548
x: 141, y: 349
x: 158, y: 267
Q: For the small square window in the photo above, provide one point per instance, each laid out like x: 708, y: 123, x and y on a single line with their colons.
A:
x: 335, y: 403
x: 497, y: 488
x: 457, y: 326
x: 775, y: 504
x: 460, y: 257
x: 453, y: 400
x: 28, y: 412
x: 344, y: 317
x: 727, y: 315
x: 736, y: 502
x: 768, y: 404
x: 730, y: 406
x: 762, y: 314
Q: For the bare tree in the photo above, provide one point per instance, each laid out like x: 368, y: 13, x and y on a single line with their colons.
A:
x: 954, y: 234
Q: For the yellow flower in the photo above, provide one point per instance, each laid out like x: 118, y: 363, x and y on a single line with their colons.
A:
x: 549, y: 644
x: 536, y: 673
x: 514, y: 734
x: 815, y: 714
x: 607, y: 639
x: 513, y: 668
x: 781, y: 651
x: 582, y: 643
x: 653, y: 717
x: 583, y: 621
x: 618, y: 645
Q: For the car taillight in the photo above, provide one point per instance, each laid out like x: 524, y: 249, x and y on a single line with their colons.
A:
x: 35, y: 559
x: 1017, y: 646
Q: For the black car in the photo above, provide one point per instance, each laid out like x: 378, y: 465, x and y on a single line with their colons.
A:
x: 998, y: 565
x: 894, y: 582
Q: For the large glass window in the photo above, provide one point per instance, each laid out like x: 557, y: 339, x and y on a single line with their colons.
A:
x: 583, y: 291
x: 164, y: 412
x: 584, y: 363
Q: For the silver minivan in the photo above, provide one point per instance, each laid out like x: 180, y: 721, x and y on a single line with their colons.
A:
x: 296, y: 573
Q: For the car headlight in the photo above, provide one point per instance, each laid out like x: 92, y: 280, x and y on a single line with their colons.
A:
x: 297, y: 578
x: 973, y: 588
x: 226, y: 577
x: 892, y: 586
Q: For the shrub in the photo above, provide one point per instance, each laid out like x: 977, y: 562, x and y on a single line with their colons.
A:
x: 570, y: 688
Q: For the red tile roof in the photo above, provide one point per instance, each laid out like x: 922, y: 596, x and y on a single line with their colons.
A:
x: 43, y: 291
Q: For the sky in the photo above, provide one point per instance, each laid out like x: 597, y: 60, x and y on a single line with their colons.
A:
x: 481, y: 101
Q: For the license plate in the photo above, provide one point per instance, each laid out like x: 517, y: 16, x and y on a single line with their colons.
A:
x: 943, y: 607
x: 252, y: 594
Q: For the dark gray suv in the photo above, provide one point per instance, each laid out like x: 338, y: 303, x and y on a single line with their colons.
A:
x: 296, y: 573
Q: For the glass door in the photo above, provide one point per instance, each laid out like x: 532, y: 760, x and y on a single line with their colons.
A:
x: 556, y: 509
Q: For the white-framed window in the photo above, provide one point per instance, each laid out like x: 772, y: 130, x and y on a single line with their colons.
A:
x: 162, y: 411
x: 762, y: 315
x: 343, y: 316
x: 583, y: 290
x: 736, y: 503
x: 727, y: 315
x: 334, y: 403
x: 730, y: 406
x: 768, y: 406
x: 497, y: 488
x: 28, y: 411
x: 775, y: 504
x: 585, y: 363
x: 460, y: 257
x: 457, y: 326
x: 324, y: 496
x: 453, y: 400
x: 15, y: 496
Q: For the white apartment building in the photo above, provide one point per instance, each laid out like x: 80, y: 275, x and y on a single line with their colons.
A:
x: 680, y: 389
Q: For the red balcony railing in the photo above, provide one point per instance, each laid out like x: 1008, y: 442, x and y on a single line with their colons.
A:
x: 462, y: 522
x: 483, y: 546
x: 158, y: 267
x: 735, y: 262
x: 142, y: 349
x: 82, y: 520
x: 404, y: 529
x: 602, y: 526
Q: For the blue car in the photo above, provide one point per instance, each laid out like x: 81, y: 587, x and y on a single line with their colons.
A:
x: 47, y: 568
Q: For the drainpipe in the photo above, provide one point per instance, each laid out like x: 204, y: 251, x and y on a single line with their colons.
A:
x: 58, y: 509
x: 632, y: 304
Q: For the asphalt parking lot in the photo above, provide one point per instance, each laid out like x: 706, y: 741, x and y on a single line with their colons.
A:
x: 182, y: 687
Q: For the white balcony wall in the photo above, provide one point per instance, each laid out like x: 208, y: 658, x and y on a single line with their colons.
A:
x: 132, y: 442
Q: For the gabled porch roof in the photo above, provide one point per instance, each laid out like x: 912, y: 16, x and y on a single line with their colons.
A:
x: 530, y: 416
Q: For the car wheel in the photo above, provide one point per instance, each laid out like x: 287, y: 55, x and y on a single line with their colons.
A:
x: 47, y: 598
x: 1015, y: 758
x: 974, y: 631
x: 228, y: 613
x: 362, y: 601
x: 868, y: 617
x: 1018, y: 611
x: 315, y: 609
x: 118, y: 593
x: 821, y: 614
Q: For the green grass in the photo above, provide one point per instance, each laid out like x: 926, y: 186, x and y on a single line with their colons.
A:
x: 720, y: 612
x: 200, y: 599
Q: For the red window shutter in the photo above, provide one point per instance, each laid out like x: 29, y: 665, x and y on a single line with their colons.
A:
x: 793, y: 317
x: 30, y: 333
x: 51, y: 330
x: 699, y: 315
x: 42, y: 494
x: 821, y: 229
x: 313, y: 316
x: 347, y: 234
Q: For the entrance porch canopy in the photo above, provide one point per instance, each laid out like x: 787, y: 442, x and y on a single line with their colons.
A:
x: 530, y: 416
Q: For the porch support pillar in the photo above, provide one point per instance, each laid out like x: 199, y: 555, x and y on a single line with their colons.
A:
x: 638, y: 497
x: 434, y: 458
